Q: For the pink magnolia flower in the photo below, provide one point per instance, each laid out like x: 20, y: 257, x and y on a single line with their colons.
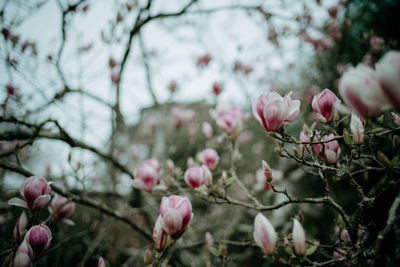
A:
x: 332, y: 149
x: 299, y: 238
x: 146, y: 177
x: 229, y: 119
x: 360, y: 89
x: 217, y: 88
x: 61, y: 214
x: 265, y: 235
x: 101, y: 262
x: 197, y: 176
x: 176, y: 213
x: 190, y: 162
x: 23, y: 256
x: 20, y: 227
x: 324, y: 105
x: 207, y: 129
x: 388, y: 73
x: 39, y: 238
x: 357, y: 129
x: 159, y: 234
x: 153, y: 163
x: 180, y: 116
x: 209, y: 157
x: 36, y: 192
x: 273, y: 110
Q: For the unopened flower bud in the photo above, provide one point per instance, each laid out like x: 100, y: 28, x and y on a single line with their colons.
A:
x: 383, y: 159
x: 357, y: 129
x: 148, y: 258
x: 209, y: 240
x: 324, y: 105
x: 170, y: 165
x: 159, y: 234
x: 264, y: 234
x: 224, y: 178
x: 299, y: 238
x: 267, y: 171
x: 20, y: 227
x: 207, y: 129
x: 101, y: 262
x: 23, y: 256
x: 190, y: 162
x: 395, y: 118
x: 36, y: 192
x: 39, y: 238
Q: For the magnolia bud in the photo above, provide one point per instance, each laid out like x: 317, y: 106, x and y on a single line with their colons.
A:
x: 299, y: 238
x: 224, y: 178
x: 208, y: 179
x: 383, y: 159
x: 23, y: 255
x: 264, y: 234
x: 101, y: 262
x: 36, y: 192
x: 209, y: 240
x: 39, y: 238
x: 20, y: 227
x: 324, y: 105
x: 267, y: 171
x: 332, y: 149
x: 190, y: 162
x: 207, y: 129
x: 388, y: 69
x: 195, y: 177
x: 395, y: 118
x: 147, y: 257
x: 357, y: 129
x: 65, y: 211
x: 159, y: 234
x: 170, y: 165
x: 146, y: 176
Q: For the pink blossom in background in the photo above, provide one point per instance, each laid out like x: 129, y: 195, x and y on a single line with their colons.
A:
x: 203, y: 61
x: 207, y: 129
x: 272, y: 110
x: 228, y: 119
x: 360, y: 89
x: 209, y: 157
x: 388, y: 73
x: 65, y: 211
x: 181, y: 116
x: 146, y: 177
x: 217, y: 88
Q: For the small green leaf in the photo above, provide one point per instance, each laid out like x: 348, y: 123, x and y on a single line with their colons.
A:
x: 380, y: 118
x: 229, y: 181
x: 394, y: 161
x: 214, y: 251
x: 311, y: 250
